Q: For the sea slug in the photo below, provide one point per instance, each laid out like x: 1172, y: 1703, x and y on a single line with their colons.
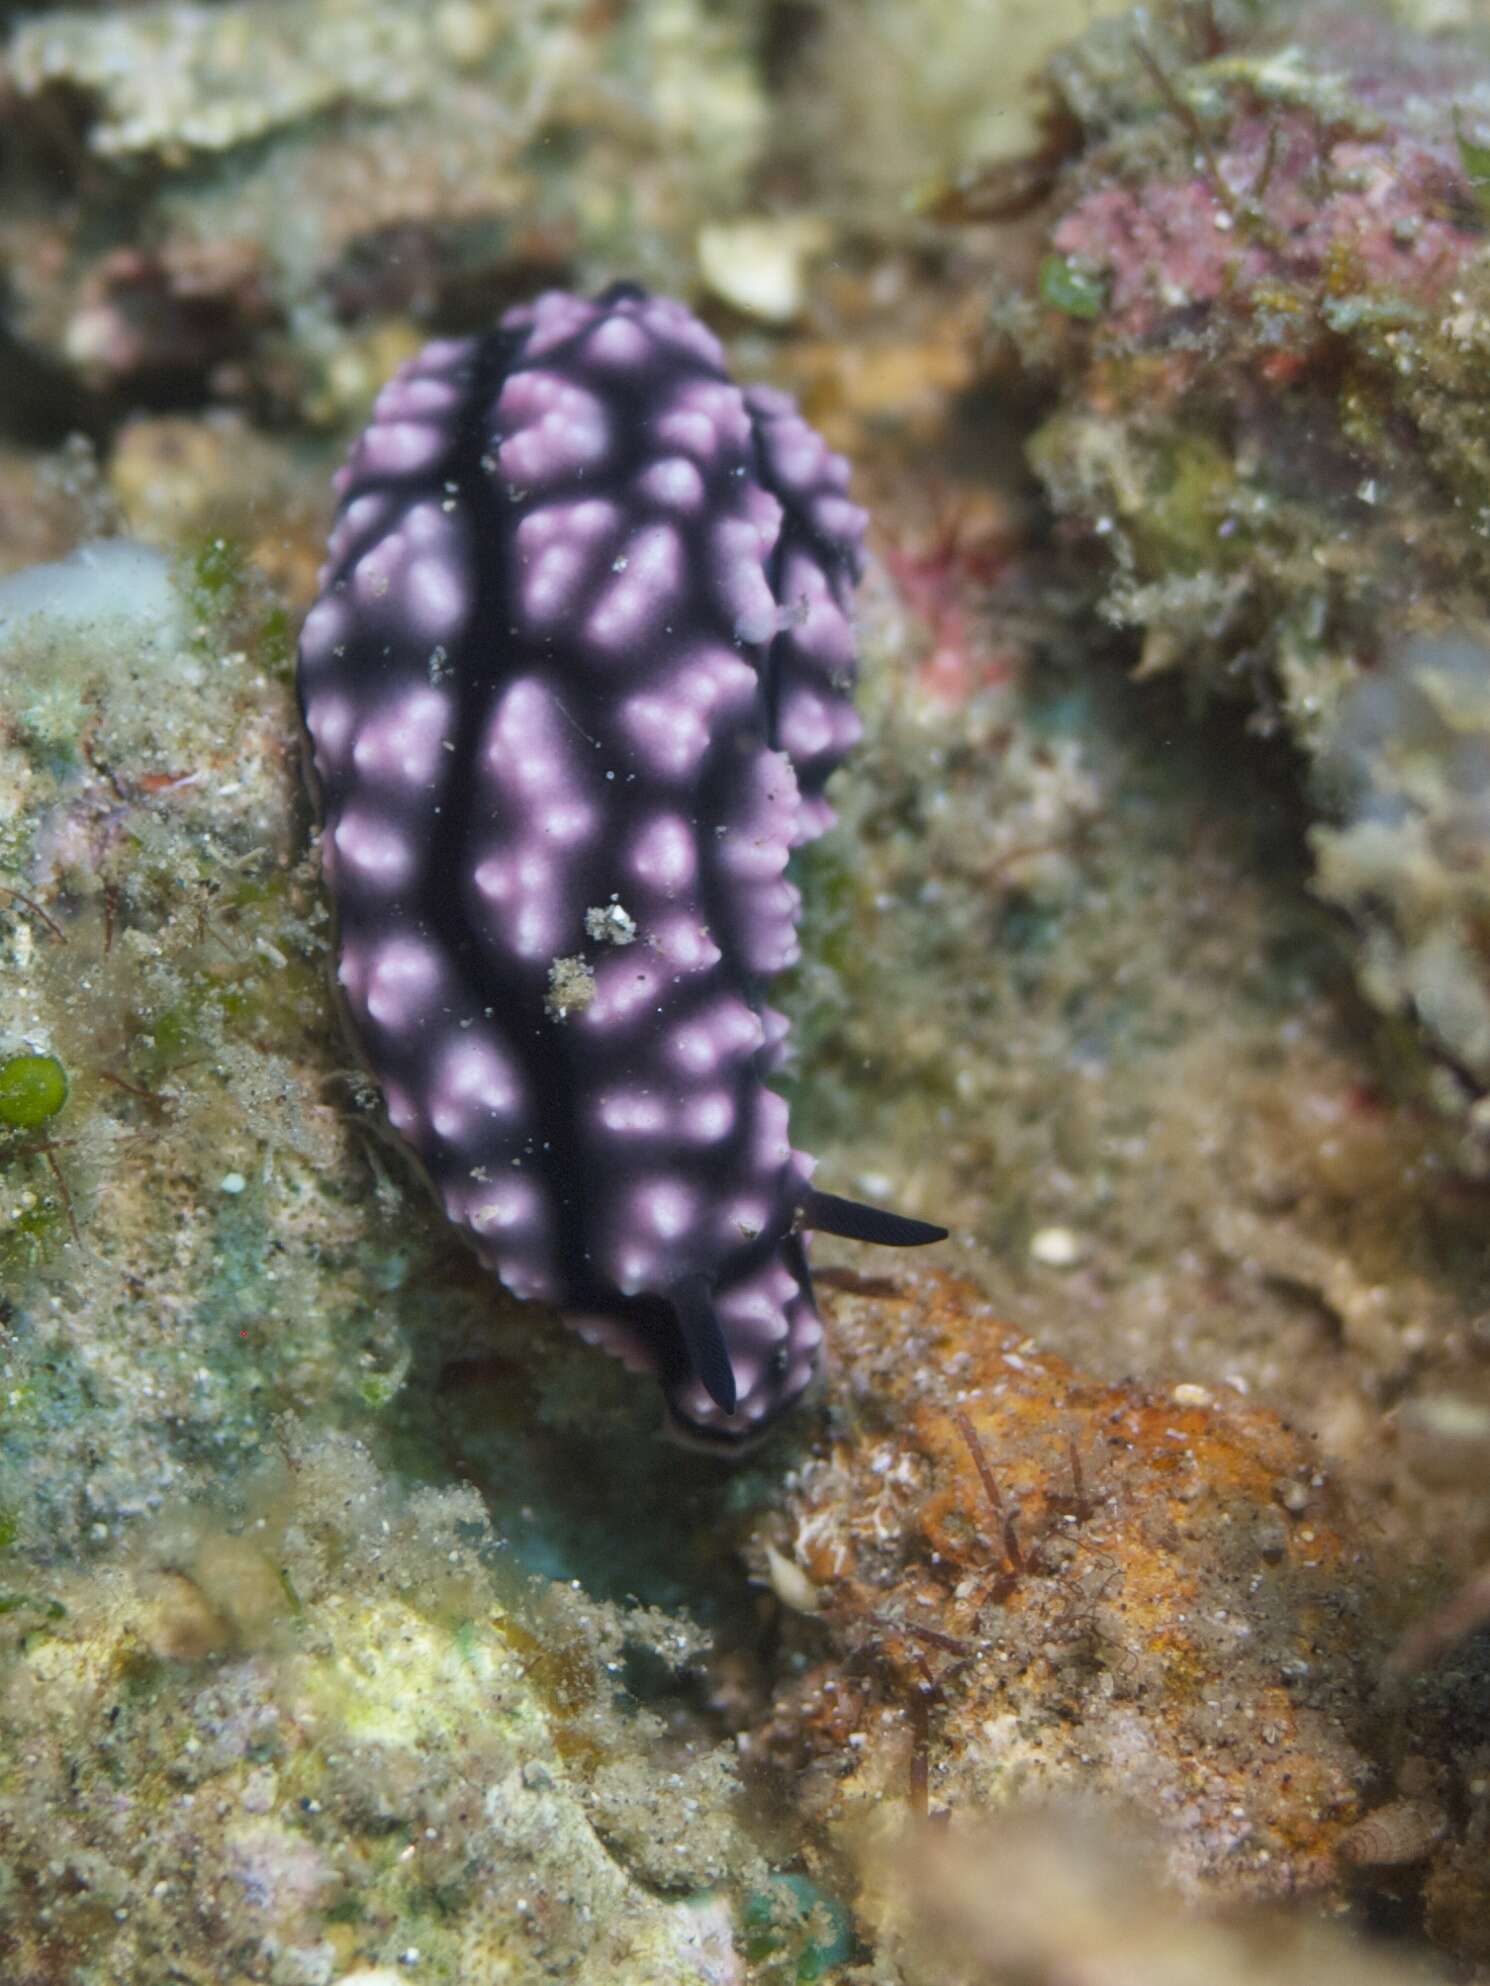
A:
x: 580, y: 667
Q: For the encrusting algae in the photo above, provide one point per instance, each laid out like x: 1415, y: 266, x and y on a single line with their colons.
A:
x: 1040, y: 1587
x: 1263, y: 314
x: 326, y: 1733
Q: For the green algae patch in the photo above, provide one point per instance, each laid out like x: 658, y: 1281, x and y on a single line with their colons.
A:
x: 234, y: 606
x: 218, y: 574
x: 33, y: 1088
x: 32, y: 1229
x: 1178, y: 529
x: 49, y: 1609
x: 1073, y: 291
x: 796, y: 1930
x: 1475, y: 159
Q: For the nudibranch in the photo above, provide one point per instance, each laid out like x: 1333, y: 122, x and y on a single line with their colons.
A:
x: 579, y: 669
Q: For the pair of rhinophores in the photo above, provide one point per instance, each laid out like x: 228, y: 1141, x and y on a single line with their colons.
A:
x: 579, y: 670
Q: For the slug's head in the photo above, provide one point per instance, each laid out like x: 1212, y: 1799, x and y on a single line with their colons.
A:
x: 744, y: 1347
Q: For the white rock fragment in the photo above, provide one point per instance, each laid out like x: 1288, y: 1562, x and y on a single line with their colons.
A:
x: 790, y: 1583
x: 759, y: 266
x: 610, y: 923
x: 1057, y: 1247
x: 122, y: 590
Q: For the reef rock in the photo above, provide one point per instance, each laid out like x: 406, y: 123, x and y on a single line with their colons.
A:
x: 1265, y: 310
x: 292, y: 174
x: 1040, y: 1587
x: 319, y: 1735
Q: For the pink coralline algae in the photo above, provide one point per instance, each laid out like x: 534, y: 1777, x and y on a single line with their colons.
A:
x: 1277, y: 199
x: 580, y: 668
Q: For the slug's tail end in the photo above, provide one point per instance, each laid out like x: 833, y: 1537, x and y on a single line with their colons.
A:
x: 855, y: 1222
x: 748, y: 1379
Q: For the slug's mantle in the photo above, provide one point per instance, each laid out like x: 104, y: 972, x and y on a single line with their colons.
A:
x: 579, y: 671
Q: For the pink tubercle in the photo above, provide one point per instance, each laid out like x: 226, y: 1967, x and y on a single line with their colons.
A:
x: 618, y: 341
x: 687, y: 943
x: 708, y: 1118
x: 624, y: 988
x: 404, y: 737
x: 640, y: 1113
x: 327, y: 626
x: 403, y: 982
x: 663, y: 853
x: 398, y: 448
x: 440, y: 355
x: 614, y: 1335
x: 381, y: 855
x: 674, y: 481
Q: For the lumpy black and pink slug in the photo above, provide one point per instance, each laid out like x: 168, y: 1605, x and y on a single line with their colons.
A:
x: 580, y: 667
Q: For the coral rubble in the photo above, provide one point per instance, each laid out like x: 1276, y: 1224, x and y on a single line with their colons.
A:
x: 253, y: 186
x: 154, y: 1238
x: 1040, y: 1587
x: 320, y: 1735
